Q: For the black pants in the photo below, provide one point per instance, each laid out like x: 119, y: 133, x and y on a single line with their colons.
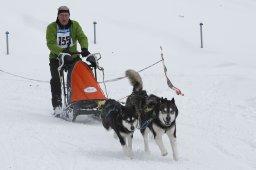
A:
x: 55, y: 83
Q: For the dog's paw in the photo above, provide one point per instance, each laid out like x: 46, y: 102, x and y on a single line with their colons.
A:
x: 130, y: 155
x: 128, y: 151
x: 165, y: 153
x: 146, y: 150
x: 175, y: 157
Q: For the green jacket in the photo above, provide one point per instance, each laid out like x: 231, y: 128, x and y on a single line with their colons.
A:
x: 77, y: 34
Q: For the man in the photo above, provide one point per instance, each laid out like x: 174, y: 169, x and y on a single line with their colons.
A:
x: 62, y: 36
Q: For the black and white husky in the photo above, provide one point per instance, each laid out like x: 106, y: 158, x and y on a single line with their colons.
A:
x: 156, y: 115
x: 123, y: 120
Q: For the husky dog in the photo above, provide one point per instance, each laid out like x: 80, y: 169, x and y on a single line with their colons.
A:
x: 155, y: 114
x: 123, y: 120
x: 139, y: 96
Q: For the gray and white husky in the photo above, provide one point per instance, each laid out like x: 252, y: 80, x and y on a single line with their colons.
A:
x: 156, y: 115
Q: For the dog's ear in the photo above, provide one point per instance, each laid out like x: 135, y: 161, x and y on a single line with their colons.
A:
x: 122, y: 110
x: 152, y: 100
x: 173, y: 101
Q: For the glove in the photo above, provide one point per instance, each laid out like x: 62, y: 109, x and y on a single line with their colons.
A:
x: 85, y: 52
x: 91, y: 59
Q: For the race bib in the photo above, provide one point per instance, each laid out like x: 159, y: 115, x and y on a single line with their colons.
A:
x: 64, y: 39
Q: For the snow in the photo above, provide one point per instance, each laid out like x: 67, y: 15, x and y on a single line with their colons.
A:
x: 216, y: 123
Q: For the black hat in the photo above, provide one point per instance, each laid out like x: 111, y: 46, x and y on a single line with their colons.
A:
x: 63, y: 9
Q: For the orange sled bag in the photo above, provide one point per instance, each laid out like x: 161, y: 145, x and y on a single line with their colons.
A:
x: 84, y: 85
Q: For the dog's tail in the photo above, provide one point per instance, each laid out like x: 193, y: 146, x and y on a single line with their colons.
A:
x: 135, y: 79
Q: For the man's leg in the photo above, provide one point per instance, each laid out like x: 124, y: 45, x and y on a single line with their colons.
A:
x: 55, y: 84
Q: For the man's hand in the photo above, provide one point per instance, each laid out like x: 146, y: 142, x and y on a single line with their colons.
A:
x: 91, y: 59
x: 85, y: 52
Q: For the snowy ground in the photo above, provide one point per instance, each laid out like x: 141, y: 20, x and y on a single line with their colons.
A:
x: 217, y: 116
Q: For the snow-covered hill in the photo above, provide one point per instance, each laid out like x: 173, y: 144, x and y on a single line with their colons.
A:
x: 216, y: 123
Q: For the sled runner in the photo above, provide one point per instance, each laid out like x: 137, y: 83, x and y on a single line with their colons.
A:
x: 81, y: 92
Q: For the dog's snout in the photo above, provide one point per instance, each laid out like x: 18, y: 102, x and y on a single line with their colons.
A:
x: 132, y: 128
x: 168, y: 118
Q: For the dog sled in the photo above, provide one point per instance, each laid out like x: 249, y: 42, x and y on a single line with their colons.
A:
x: 81, y: 93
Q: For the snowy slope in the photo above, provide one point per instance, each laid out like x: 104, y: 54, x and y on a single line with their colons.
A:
x: 217, y: 122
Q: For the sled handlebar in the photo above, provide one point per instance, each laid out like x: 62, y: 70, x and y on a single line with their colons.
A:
x: 80, y: 53
x: 61, y: 60
x: 62, y: 55
x: 96, y: 60
x: 93, y: 54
